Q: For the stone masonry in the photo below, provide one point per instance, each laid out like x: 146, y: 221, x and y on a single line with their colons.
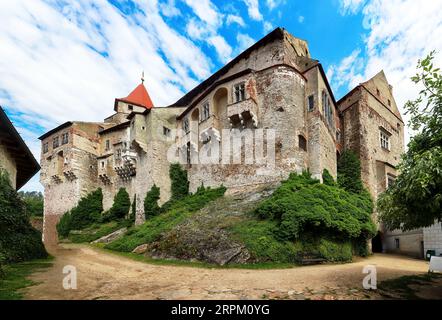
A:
x: 273, y: 90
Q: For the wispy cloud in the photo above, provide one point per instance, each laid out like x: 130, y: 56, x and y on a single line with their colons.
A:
x: 231, y: 18
x: 244, y: 41
x: 253, y: 9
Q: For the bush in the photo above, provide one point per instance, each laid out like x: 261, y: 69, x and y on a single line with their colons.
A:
x: 120, y: 208
x: 177, y: 212
x: 151, y: 207
x: 64, y: 225
x: 33, y: 203
x: 327, y: 178
x: 302, y: 205
x: 19, y: 241
x: 179, y: 182
x: 87, y: 212
x: 349, y: 172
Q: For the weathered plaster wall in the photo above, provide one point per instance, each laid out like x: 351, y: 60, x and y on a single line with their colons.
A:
x: 433, y: 238
x: 7, y: 163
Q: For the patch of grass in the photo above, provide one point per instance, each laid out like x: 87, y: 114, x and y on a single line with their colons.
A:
x: 195, y: 264
x: 400, y: 287
x: 15, y: 278
x: 97, y: 231
x: 177, y: 212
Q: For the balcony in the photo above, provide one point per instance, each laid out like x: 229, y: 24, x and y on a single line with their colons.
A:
x: 243, y: 114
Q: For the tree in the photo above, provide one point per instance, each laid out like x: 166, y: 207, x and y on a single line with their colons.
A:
x: 327, y: 178
x: 349, y: 172
x: 120, y: 208
x: 88, y: 210
x: 33, y: 203
x: 151, y: 207
x: 415, y: 199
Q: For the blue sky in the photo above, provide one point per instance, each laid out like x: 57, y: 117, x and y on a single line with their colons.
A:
x: 68, y: 60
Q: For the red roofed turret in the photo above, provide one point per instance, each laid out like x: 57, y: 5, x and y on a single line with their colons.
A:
x: 139, y: 97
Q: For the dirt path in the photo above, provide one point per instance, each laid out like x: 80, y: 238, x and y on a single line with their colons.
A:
x: 106, y: 276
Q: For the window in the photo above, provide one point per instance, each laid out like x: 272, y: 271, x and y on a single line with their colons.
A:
x: 107, y: 145
x: 186, y: 127
x: 102, y: 164
x: 327, y: 108
x: 45, y: 147
x: 188, y: 153
x: 65, y: 138
x: 389, y: 102
x: 206, y: 112
x: 56, y: 142
x: 311, y: 103
x: 397, y: 244
x: 302, y: 143
x: 239, y: 91
x: 390, y: 180
x: 385, y: 140
x: 378, y: 92
x: 166, y: 132
x: 131, y: 107
x: 118, y: 155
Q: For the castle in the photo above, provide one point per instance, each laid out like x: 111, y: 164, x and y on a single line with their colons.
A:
x: 274, y: 89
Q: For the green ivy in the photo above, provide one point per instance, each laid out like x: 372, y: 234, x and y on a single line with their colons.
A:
x: 151, y: 207
x: 179, y: 181
x: 19, y: 241
x: 349, y: 172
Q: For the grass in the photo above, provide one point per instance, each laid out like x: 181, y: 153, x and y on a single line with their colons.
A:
x: 97, y: 231
x: 195, y: 264
x: 400, y: 287
x: 16, y: 278
x: 176, y: 213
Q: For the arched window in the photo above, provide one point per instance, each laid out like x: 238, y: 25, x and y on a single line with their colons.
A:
x: 302, y: 142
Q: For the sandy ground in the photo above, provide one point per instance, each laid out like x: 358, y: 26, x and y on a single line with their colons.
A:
x: 103, y: 275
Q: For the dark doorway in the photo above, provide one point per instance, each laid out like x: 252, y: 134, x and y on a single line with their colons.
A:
x: 376, y: 243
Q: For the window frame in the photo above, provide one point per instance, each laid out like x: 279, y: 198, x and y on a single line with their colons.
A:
x: 205, y: 114
x: 65, y: 138
x: 46, y: 147
x: 56, y: 142
x: 384, y: 139
x: 239, y: 92
x: 186, y: 125
x: 311, y: 103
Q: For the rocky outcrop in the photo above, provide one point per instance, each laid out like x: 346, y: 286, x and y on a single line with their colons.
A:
x: 141, y: 249
x: 111, y: 237
x: 206, y: 236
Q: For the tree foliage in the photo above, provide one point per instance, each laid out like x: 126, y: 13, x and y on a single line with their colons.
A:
x: 349, y: 172
x: 179, y: 181
x: 304, y: 205
x: 415, y: 199
x: 327, y: 178
x: 87, y: 212
x: 120, y: 208
x: 19, y: 241
x: 151, y: 207
x: 33, y: 203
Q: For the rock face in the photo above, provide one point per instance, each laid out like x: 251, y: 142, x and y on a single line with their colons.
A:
x: 111, y: 237
x: 206, y: 236
x: 141, y: 249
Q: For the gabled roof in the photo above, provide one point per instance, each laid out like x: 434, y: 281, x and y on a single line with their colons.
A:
x: 139, y: 97
x: 25, y: 162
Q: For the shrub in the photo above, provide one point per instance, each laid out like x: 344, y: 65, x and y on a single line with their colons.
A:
x: 349, y: 172
x: 120, y: 208
x: 301, y: 204
x: 179, y: 181
x: 87, y: 212
x: 64, y: 225
x: 151, y: 207
x: 327, y: 178
x: 19, y: 241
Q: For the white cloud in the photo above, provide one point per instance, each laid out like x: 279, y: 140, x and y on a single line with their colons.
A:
x: 267, y: 27
x: 231, y: 18
x: 253, y: 9
x: 62, y: 62
x: 272, y: 4
x: 351, y: 6
x: 244, y: 41
x: 206, y: 11
x: 301, y: 19
x: 399, y: 33
x: 168, y: 9
x: 223, y: 49
x: 347, y: 72
x: 197, y: 29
